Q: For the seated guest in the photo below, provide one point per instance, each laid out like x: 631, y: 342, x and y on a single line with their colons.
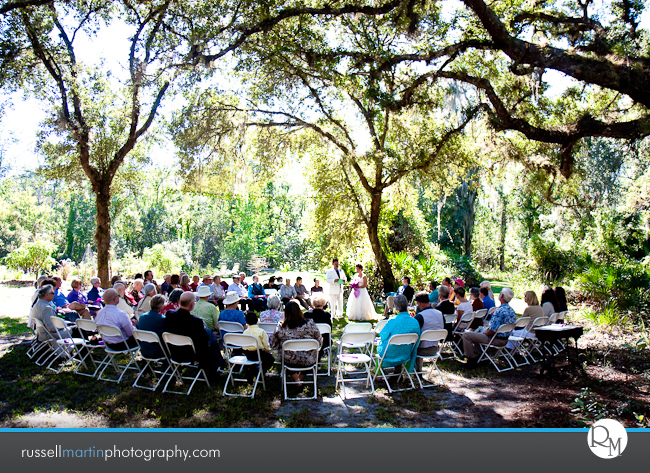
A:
x: 182, y: 322
x: 148, y: 278
x: 145, y: 303
x: 115, y: 279
x: 207, y: 280
x: 320, y: 316
x: 194, y: 285
x: 77, y: 301
x: 262, y: 343
x: 237, y: 287
x: 296, y: 327
x: 444, y: 304
x: 316, y: 287
x: 164, y: 287
x: 503, y: 315
x: 96, y: 292
x: 487, y: 301
x: 174, y: 283
x: 185, y: 283
x: 231, y: 314
x: 549, y: 302
x: 204, y: 310
x: 43, y: 310
x: 399, y: 355
x: 463, y: 305
x: 224, y: 284
x: 433, y: 292
x: 61, y: 302
x: 173, y: 303
x: 153, y: 321
x: 270, y: 284
x: 488, y: 286
x: 301, y: 294
x: 218, y: 292
x: 123, y: 303
x: 429, y: 319
x: 136, y: 290
x: 560, y: 296
x: 533, y: 310
x: 458, y: 283
x: 406, y: 289
x: 242, y: 280
x: 257, y: 295
x: 447, y: 282
x: 278, y: 283
x: 273, y: 314
x: 112, y: 315
x: 475, y: 294
x: 287, y: 292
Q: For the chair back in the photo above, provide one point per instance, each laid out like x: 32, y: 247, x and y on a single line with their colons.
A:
x: 224, y: 269
x: 553, y: 318
x: 403, y: 339
x: 358, y: 327
x: 480, y: 314
x: 270, y: 292
x: 268, y: 327
x: 357, y: 338
x: 505, y: 328
x: 467, y: 317
x: 491, y: 311
x: 324, y: 329
x: 300, y: 345
x: 146, y: 336
x: 58, y: 322
x: 380, y: 325
x: 237, y: 340
x: 433, y: 336
x: 109, y: 331
x: 522, y: 322
x: 40, y: 327
x: 539, y: 322
x: 235, y: 268
x: 226, y: 326
x: 178, y: 340
x: 449, y: 318
x: 86, y: 325
x: 563, y: 315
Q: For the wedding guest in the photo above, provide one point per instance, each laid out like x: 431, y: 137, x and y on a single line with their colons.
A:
x: 475, y: 294
x: 262, y: 343
x: 123, y: 304
x: 406, y: 289
x: 487, y: 301
x: 173, y: 301
x: 153, y: 321
x: 302, y: 296
x: 218, y: 292
x: 111, y: 314
x: 185, y: 283
x: 195, y: 282
x: 96, y: 292
x: 549, y: 302
x: 273, y: 314
x: 287, y: 292
x: 257, y: 295
x: 316, y: 287
x: 164, y: 287
x: 488, y: 286
x: 144, y: 305
x: 433, y: 292
x: 533, y: 310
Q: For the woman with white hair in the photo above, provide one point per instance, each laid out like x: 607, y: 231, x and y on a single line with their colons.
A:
x: 136, y: 289
x: 144, y: 305
x: 273, y: 314
x: 123, y: 303
x: 96, y: 292
x: 488, y: 286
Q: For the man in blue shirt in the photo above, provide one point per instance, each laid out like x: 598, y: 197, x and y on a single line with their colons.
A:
x: 503, y: 315
x: 485, y: 298
x: 403, y: 323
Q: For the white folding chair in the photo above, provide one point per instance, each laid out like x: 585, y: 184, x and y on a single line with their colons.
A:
x: 430, y: 336
x: 109, y: 359
x: 500, y: 351
x: 530, y: 342
x: 563, y: 316
x: 492, y: 310
x: 50, y: 347
x: 88, y: 328
x: 270, y: 292
x: 268, y: 327
x: 68, y: 345
x: 480, y: 315
x: 295, y: 346
x: 515, y: 341
x: 354, y: 339
x: 463, y: 324
x: 35, y: 345
x: 151, y: 340
x: 230, y: 327
x: 449, y: 341
x: 173, y: 340
x: 236, y: 340
x: 325, y: 329
x: 396, y: 340
x: 356, y: 327
x: 380, y: 325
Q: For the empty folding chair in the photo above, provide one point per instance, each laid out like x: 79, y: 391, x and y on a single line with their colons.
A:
x: 67, y: 345
x: 51, y: 348
x: 325, y: 329
x: 36, y: 345
x: 236, y: 340
x: 296, y: 346
x: 151, y: 341
x: 396, y: 340
x: 563, y: 316
x: 356, y: 327
x: 516, y: 339
x: 109, y: 359
x: 430, y: 336
x: 479, y: 317
x: 352, y: 339
x: 173, y: 340
x: 268, y: 327
x: 380, y: 325
x: 500, y: 351
x: 87, y: 329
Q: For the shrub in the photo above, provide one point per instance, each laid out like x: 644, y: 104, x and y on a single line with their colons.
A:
x: 164, y: 258
x: 32, y: 257
x: 65, y: 268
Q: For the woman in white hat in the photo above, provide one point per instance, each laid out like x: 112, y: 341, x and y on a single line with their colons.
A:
x: 231, y: 313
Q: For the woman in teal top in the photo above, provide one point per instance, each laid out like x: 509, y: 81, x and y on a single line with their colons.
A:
x: 402, y: 323
x: 433, y: 295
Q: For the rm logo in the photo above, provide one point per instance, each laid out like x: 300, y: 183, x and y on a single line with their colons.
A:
x: 607, y: 438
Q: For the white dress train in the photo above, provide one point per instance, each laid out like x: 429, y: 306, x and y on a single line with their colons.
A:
x: 361, y: 307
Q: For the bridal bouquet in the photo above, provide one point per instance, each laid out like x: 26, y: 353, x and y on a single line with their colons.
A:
x: 355, y: 285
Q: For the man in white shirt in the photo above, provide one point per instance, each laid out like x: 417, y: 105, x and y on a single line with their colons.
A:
x: 111, y: 315
x: 333, y: 275
x: 287, y: 292
x: 241, y: 292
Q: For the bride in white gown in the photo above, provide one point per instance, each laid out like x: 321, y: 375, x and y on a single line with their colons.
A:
x: 360, y: 306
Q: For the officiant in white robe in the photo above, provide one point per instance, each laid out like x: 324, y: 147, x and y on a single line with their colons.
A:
x: 334, y: 288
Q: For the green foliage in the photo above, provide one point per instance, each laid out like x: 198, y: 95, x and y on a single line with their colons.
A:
x: 165, y: 257
x: 32, y: 257
x: 551, y: 262
x: 588, y: 409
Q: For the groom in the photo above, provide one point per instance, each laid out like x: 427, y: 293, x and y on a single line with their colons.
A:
x: 335, y: 288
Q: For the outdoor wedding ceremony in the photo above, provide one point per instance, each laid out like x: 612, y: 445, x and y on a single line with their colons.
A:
x: 361, y: 214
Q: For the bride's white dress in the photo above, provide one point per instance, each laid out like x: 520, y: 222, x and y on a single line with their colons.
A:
x: 360, y: 308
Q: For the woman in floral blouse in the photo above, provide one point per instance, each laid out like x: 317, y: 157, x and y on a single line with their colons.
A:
x: 295, y: 327
x: 273, y: 315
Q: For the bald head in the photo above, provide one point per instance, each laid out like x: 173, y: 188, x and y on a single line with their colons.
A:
x: 111, y: 297
x: 187, y: 300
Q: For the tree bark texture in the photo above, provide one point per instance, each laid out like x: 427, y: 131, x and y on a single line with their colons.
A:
x: 373, y: 235
x: 502, y: 239
x: 103, y: 230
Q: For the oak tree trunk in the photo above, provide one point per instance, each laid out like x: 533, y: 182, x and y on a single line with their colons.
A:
x: 373, y: 235
x: 103, y: 230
